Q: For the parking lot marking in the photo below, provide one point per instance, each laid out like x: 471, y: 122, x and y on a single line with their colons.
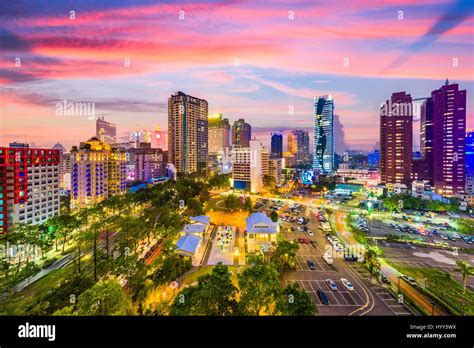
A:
x: 391, y: 302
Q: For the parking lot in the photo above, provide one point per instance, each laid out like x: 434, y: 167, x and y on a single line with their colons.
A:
x: 321, y: 266
x: 339, y: 298
x: 342, y: 301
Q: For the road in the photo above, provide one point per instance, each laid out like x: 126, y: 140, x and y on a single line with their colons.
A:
x: 62, y: 262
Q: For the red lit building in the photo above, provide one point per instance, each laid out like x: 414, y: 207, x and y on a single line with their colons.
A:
x: 396, y: 139
x: 29, y: 185
x: 448, y: 162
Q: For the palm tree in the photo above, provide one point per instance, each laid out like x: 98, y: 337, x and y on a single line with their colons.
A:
x: 466, y: 270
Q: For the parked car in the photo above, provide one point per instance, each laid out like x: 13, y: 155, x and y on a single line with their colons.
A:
x: 328, y: 258
x: 310, y: 233
x: 350, y: 258
x: 332, y: 285
x: 322, y: 297
x: 311, y: 265
x: 347, y: 284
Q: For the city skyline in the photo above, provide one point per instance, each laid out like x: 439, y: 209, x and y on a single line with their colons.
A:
x: 265, y: 79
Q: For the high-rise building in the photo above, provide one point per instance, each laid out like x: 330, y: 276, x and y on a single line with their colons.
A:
x: 219, y: 144
x: 396, y: 139
x: 219, y: 134
x: 105, y: 131
x: 274, y: 169
x: 323, y: 151
x: 98, y: 172
x: 29, y: 185
x: 448, y: 163
x: 148, y: 162
x: 249, y: 165
x: 187, y: 133
x: 298, y: 145
x: 158, y: 139
x: 276, y: 145
x: 373, y: 158
x: 470, y: 161
x: 241, y: 133
x: 64, y: 167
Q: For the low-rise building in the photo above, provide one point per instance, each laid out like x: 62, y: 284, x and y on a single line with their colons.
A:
x: 396, y: 189
x: 419, y: 189
x: 188, y: 245
x: 261, y: 233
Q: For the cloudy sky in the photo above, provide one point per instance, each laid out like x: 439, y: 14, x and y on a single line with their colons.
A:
x: 251, y: 59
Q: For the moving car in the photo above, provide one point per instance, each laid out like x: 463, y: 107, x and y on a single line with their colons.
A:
x: 384, y: 279
x: 332, y: 284
x: 322, y: 297
x: 408, y: 279
x: 347, y: 284
x: 311, y: 265
x: 310, y: 233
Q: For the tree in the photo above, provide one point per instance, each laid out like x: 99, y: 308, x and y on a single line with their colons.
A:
x: 133, y: 269
x: 194, y: 207
x: 104, y: 298
x: 232, y: 202
x: 219, y: 181
x: 466, y: 270
x: 371, y: 259
x: 60, y: 296
x: 248, y: 205
x: 295, y: 301
x: 132, y: 231
x: 274, y: 216
x: 269, y: 182
x: 170, y: 267
x: 260, y: 290
x: 213, y: 295
x: 285, y: 255
x: 465, y: 226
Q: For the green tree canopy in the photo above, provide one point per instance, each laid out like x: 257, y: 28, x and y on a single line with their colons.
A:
x: 213, y: 295
x: 104, y: 298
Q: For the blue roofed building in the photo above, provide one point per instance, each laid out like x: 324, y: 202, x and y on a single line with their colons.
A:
x: 194, y: 229
x: 200, y: 219
x: 261, y: 232
x: 188, y: 245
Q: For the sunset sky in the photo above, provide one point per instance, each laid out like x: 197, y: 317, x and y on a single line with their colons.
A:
x: 282, y: 61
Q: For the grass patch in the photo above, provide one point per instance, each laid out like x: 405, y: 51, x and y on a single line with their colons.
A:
x: 193, y: 277
x: 358, y: 234
x: 443, y: 288
x: 15, y: 304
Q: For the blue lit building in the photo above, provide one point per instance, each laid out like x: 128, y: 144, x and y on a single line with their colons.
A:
x: 277, y: 145
x: 323, y: 154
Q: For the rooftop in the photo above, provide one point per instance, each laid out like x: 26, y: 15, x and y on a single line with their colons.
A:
x: 260, y: 223
x: 188, y: 243
x: 195, y: 228
x: 203, y: 219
